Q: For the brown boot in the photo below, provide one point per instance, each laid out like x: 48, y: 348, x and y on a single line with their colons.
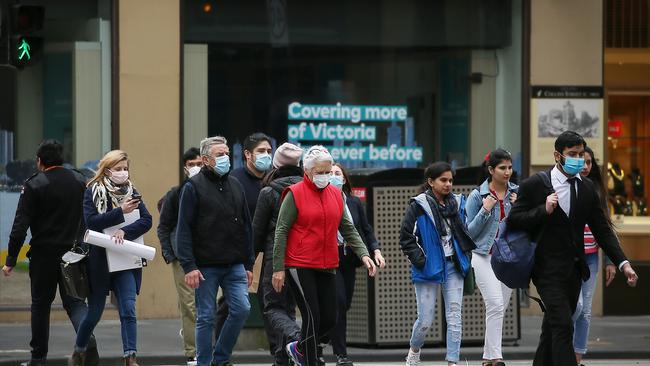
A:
x: 130, y: 360
x: 77, y: 359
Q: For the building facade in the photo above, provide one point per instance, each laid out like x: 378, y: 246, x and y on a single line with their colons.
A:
x: 383, y: 84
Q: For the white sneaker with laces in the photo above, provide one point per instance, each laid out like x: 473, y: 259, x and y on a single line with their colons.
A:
x: 413, y: 358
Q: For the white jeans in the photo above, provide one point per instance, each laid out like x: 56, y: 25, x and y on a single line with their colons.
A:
x: 497, y: 297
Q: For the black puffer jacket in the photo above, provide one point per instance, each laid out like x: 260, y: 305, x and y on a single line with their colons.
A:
x: 279, y: 308
x: 266, y: 212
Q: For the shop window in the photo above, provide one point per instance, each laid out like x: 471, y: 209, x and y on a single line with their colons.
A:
x: 382, y: 84
x: 628, y: 184
x: 65, y: 95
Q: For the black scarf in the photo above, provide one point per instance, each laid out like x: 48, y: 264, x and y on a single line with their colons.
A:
x: 449, y: 211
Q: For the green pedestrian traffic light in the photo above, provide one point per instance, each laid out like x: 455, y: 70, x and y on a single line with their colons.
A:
x: 25, y: 34
x: 23, y: 49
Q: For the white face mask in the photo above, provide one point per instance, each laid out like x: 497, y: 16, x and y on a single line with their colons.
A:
x: 321, y: 180
x: 119, y: 177
x: 193, y: 171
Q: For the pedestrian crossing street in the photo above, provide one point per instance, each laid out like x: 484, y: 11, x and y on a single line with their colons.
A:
x: 478, y: 363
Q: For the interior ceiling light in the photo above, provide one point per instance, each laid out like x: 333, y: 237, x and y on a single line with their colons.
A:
x: 207, y: 7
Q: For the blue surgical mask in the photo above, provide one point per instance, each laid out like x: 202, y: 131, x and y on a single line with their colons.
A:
x: 336, y: 181
x: 572, y: 166
x: 262, y: 162
x: 222, y: 164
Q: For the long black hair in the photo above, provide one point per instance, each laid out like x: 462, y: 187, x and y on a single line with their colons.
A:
x: 434, y: 171
x: 596, y: 176
x: 493, y: 159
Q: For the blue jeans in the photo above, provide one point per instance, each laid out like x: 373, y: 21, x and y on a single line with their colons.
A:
x: 582, y: 315
x: 124, y: 289
x: 233, y: 281
x: 452, y: 293
x: 123, y: 284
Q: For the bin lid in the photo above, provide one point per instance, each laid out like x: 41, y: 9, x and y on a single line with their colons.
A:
x: 365, y: 177
x: 390, y: 177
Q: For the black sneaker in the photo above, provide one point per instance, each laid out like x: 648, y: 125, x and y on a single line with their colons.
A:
x: 281, y: 358
x: 343, y: 360
x: 320, y: 360
x: 35, y: 362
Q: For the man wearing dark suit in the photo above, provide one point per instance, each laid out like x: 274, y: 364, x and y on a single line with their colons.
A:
x: 559, y: 259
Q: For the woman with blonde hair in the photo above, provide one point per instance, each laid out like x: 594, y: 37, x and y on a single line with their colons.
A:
x: 109, y: 196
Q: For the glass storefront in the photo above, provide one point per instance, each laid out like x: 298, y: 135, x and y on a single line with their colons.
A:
x: 66, y: 95
x: 627, y: 169
x: 383, y: 84
x: 629, y: 154
x: 628, y: 132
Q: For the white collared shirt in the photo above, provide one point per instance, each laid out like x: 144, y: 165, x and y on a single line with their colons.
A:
x: 561, y: 186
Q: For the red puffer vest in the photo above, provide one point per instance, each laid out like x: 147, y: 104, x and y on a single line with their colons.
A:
x: 311, y: 242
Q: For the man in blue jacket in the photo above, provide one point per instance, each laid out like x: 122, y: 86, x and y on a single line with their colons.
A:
x: 215, y: 249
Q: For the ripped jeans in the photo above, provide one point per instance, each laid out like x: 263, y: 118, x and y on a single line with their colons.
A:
x: 452, y: 293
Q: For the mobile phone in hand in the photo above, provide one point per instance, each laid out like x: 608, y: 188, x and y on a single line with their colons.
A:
x: 136, y: 196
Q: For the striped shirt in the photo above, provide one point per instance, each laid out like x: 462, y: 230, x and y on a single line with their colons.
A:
x: 590, y: 242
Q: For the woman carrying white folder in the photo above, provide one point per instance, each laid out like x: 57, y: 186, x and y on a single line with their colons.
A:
x: 110, y: 195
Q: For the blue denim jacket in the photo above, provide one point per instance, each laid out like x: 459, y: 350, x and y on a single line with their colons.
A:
x: 482, y: 225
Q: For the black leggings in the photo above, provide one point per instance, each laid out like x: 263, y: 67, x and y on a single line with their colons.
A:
x: 345, y: 278
x: 315, y: 294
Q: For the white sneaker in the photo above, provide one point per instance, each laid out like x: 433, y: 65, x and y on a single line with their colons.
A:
x: 413, y: 358
x: 191, y: 361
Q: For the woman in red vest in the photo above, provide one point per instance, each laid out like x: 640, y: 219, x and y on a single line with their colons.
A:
x: 306, y: 249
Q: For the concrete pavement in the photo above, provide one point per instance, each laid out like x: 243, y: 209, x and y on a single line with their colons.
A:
x: 512, y: 363
x: 619, y: 338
